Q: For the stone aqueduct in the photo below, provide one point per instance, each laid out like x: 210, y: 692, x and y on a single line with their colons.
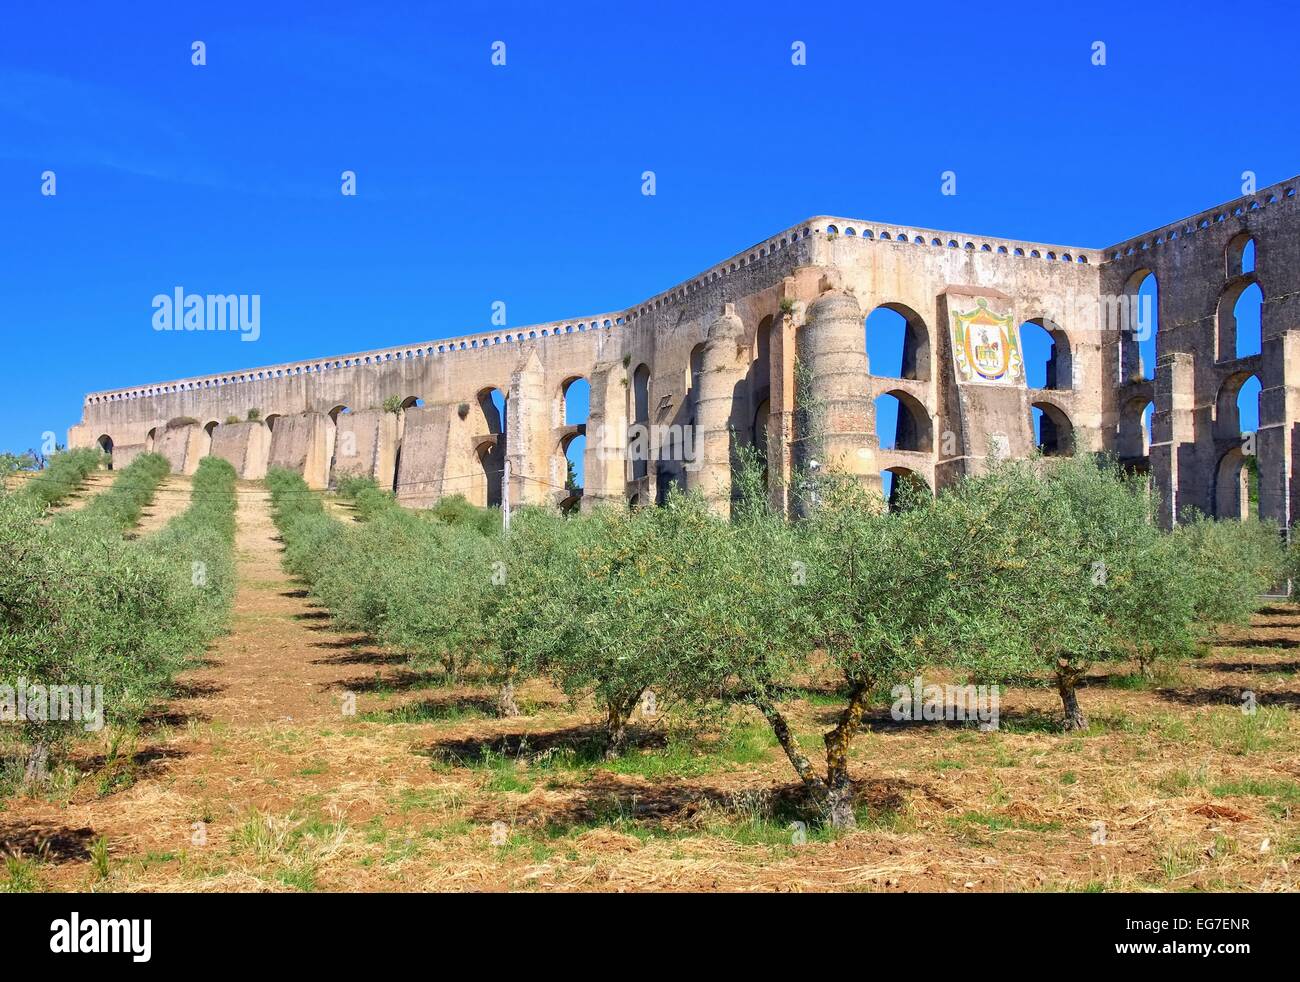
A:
x: 717, y: 354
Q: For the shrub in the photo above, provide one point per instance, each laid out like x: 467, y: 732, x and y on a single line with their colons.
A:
x: 366, y: 495
x: 456, y: 510
x: 64, y: 475
x: 133, y: 488
x: 1230, y: 565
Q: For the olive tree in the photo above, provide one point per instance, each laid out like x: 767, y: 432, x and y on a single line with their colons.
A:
x: 880, y: 594
x: 634, y: 589
x: 527, y: 597
x: 1094, y: 578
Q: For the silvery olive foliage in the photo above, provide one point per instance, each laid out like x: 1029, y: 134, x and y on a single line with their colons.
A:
x: 80, y: 604
x: 1037, y: 567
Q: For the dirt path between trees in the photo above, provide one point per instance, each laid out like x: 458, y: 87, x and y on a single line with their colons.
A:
x: 269, y: 668
x: 171, y: 498
x: 96, y: 483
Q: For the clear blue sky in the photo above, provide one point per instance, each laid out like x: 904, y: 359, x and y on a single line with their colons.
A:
x: 523, y: 184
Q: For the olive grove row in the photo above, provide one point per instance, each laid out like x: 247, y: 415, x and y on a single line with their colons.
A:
x: 1042, y: 568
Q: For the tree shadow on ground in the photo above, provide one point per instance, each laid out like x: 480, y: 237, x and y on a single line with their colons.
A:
x: 146, y: 761
x: 47, y: 843
x: 435, y: 710
x: 1257, y: 643
x: 1229, y: 695
x: 360, y: 658
x: 167, y: 717
x: 1287, y: 667
x: 585, y: 741
x: 356, y: 641
x: 603, y: 798
x: 196, y: 689
x: 403, y: 680
x: 881, y: 720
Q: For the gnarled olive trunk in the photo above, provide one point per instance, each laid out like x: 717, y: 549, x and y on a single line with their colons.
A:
x: 800, y: 763
x: 618, y: 710
x: 506, y: 704
x: 839, y: 796
x: 1067, y: 681
x: 834, y: 794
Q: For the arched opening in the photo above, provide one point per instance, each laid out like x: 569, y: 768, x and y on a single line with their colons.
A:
x: 1135, y: 430
x: 105, y: 444
x: 668, y: 479
x: 1243, y: 322
x: 1046, y: 351
x: 902, y: 423
x: 271, y: 420
x: 761, y: 376
x: 760, y: 386
x: 761, y: 414
x: 1236, y: 419
x: 1137, y: 320
x: 1238, y: 319
x: 1234, y: 495
x: 346, y: 447
x: 575, y: 395
x: 208, y: 430
x: 1236, y: 407
x: 490, y: 439
x: 412, y: 402
x: 488, y: 488
x: 1053, y: 431
x: 898, y: 342
x: 149, y: 440
x: 639, y: 414
x: 1239, y: 257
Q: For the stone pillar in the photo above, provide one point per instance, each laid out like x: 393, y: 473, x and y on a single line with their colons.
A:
x: 528, y: 433
x: 182, y: 445
x: 365, y: 445
x: 1279, y: 412
x: 837, y: 417
x: 301, y: 443
x: 781, y: 396
x: 422, y: 464
x: 605, y: 463
x: 1173, y: 434
x: 722, y: 371
x: 244, y: 446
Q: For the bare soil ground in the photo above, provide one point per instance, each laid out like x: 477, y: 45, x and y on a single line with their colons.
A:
x: 171, y: 498
x: 256, y: 777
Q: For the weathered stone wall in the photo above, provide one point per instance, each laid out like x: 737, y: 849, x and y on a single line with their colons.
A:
x: 713, y: 361
x: 244, y: 446
x: 1196, y: 445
